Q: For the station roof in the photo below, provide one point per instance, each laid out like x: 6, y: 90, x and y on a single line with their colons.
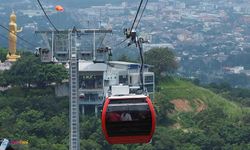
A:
x: 91, y: 66
x: 130, y: 65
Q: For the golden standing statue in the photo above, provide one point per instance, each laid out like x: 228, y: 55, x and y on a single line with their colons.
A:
x: 12, y: 56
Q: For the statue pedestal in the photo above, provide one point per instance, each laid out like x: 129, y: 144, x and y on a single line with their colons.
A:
x: 13, y: 58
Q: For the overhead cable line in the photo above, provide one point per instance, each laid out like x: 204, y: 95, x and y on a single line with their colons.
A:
x: 5, y: 37
x: 46, y: 15
x: 138, y: 10
x: 141, y: 14
x: 101, y: 43
x: 120, y: 43
x: 18, y: 36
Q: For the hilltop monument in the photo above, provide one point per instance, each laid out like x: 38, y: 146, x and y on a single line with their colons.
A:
x: 12, y: 56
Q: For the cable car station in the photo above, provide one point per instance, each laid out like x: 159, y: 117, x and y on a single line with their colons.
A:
x: 96, y: 72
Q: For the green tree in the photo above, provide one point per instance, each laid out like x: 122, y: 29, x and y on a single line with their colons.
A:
x: 163, y: 108
x: 6, y: 118
x: 162, y: 59
x: 210, y: 119
x: 59, y: 147
x: 90, y: 145
x: 49, y: 73
x: 235, y: 134
x: 22, y: 73
x: 29, y: 71
x: 145, y: 147
x: 119, y: 147
x: 3, y: 81
x: 125, y: 57
x: 3, y: 54
x: 166, y: 139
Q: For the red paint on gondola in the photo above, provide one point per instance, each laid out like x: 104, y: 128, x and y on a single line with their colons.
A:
x: 131, y: 138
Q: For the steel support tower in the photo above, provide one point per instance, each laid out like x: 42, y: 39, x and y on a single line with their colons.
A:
x: 74, y: 143
x: 74, y: 103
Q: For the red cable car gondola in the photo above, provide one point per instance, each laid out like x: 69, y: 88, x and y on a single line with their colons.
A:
x: 128, y: 119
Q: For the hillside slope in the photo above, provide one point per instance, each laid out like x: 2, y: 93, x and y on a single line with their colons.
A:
x: 192, y: 117
x: 177, y: 89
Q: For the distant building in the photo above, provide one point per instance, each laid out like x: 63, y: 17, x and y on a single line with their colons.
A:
x: 234, y: 70
x: 5, y: 66
x: 32, y: 13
